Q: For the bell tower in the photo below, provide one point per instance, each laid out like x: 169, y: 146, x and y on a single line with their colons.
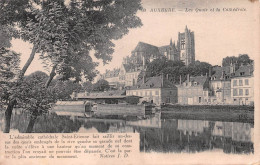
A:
x: 186, y: 46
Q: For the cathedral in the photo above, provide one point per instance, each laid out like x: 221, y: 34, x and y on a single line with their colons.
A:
x: 144, y: 53
x: 184, y: 50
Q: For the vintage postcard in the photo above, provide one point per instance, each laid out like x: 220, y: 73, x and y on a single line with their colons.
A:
x: 129, y: 82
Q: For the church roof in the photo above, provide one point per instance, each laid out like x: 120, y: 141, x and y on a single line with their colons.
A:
x: 144, y: 47
x: 167, y: 47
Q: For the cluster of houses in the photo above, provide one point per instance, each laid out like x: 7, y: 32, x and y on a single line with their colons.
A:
x: 231, y: 85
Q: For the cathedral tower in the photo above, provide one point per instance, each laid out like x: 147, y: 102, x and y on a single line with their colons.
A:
x: 186, y: 46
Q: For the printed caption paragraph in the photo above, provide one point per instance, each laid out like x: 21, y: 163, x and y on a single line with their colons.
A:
x: 55, y: 146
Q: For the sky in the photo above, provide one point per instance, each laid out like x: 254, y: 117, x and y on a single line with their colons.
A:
x: 217, y: 34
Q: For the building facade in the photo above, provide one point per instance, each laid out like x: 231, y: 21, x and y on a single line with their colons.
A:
x: 186, y: 46
x: 192, y: 91
x: 242, y: 86
x: 157, y: 90
x: 220, y: 85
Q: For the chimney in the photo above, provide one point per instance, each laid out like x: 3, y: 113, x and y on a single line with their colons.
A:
x: 144, y: 77
x: 143, y: 61
x: 162, y: 80
x: 188, y: 78
x: 210, y: 71
x: 223, y: 75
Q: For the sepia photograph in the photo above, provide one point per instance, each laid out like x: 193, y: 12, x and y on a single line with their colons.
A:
x: 129, y: 81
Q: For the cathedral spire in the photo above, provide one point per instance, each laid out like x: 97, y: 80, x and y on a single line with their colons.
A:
x: 186, y: 29
x: 171, y: 42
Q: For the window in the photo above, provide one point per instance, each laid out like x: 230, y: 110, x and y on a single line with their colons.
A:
x: 240, y: 92
x: 246, y: 82
x: 235, y: 83
x: 156, y: 92
x: 246, y: 92
x: 240, y: 82
x: 199, y: 99
x: 234, y: 92
x: 242, y: 73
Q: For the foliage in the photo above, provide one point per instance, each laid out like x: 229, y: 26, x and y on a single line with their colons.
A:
x: 5, y: 37
x: 101, y: 85
x: 32, y: 95
x: 65, y: 33
x: 87, y: 86
x: 168, y: 68
x: 9, y: 67
x: 174, y: 69
x: 196, y: 69
x: 241, y: 59
x: 62, y: 90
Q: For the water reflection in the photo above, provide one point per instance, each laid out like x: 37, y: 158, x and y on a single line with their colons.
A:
x: 156, y: 134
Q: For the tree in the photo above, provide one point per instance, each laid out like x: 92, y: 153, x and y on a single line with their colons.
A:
x: 241, y: 59
x: 33, y: 97
x: 64, y: 34
x: 101, y: 85
x: 63, y: 89
x: 5, y: 37
x: 9, y: 67
x: 168, y: 68
x: 87, y: 86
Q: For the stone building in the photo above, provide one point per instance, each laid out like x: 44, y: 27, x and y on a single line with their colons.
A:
x: 219, y: 85
x: 170, y: 51
x: 156, y: 90
x: 186, y: 46
x: 112, y: 76
x: 242, y: 86
x: 192, y: 91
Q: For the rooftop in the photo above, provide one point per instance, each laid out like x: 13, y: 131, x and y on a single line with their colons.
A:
x: 153, y: 82
x: 144, y: 47
x: 244, y: 71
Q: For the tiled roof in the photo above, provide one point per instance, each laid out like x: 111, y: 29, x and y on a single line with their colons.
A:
x: 144, y: 47
x: 244, y: 71
x: 153, y: 82
x: 218, y: 73
x: 164, y: 48
x: 200, y: 80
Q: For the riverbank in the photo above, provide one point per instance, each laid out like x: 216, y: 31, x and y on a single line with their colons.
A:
x: 230, y: 113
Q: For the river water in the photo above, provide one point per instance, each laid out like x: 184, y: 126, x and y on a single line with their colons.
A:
x: 156, y: 134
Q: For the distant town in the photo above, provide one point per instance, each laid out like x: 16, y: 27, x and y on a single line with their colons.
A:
x: 230, y: 84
